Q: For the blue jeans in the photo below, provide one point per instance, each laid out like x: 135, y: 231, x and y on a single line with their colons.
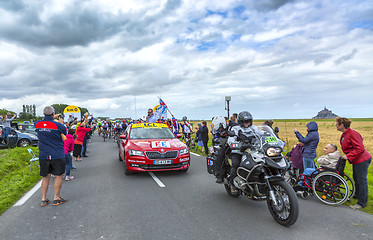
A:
x: 307, y: 172
x: 308, y: 163
x: 360, y: 175
x: 84, y: 147
x: 69, y: 164
x: 6, y: 132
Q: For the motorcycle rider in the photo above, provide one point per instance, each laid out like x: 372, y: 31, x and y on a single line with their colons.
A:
x: 245, y: 128
x: 219, y: 130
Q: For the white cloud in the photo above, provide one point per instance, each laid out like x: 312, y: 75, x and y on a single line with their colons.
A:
x: 99, y: 54
x: 274, y: 34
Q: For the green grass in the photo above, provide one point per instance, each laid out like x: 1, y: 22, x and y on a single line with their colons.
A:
x: 15, y: 175
x: 369, y: 207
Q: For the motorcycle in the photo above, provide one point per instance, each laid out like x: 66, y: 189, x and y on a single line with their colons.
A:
x: 259, y: 176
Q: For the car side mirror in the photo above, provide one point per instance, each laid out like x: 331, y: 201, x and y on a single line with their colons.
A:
x: 277, y: 129
x: 123, y: 136
x: 231, y: 134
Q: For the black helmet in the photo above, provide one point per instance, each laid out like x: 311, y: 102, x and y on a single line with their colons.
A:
x: 185, y: 118
x: 245, y: 116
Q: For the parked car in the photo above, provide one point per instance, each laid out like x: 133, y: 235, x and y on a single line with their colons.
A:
x: 28, y: 128
x: 152, y: 147
x: 19, y: 139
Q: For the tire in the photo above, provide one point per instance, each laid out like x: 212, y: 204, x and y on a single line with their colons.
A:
x: 126, y: 171
x: 23, y: 143
x: 330, y: 188
x: 230, y: 193
x: 287, y: 210
x: 351, y: 185
x: 184, y: 170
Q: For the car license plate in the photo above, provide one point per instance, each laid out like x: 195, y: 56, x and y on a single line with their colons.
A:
x: 162, y: 162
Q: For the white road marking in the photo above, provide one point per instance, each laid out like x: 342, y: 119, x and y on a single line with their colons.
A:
x: 156, y: 179
x: 28, y: 195
x: 195, y: 154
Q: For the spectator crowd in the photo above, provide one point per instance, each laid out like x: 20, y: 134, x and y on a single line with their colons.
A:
x: 61, y: 142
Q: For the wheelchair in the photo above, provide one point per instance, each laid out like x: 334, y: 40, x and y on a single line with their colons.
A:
x: 330, y: 185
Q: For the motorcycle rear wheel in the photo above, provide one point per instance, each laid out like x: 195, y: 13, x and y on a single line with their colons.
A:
x: 286, y: 211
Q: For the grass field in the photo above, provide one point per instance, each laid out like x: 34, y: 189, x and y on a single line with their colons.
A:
x: 15, y: 175
x: 328, y: 134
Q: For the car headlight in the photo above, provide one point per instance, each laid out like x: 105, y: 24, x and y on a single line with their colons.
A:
x: 135, y: 153
x: 184, y: 151
x: 272, y: 152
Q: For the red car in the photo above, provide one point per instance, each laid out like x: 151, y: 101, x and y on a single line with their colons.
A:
x: 152, y: 147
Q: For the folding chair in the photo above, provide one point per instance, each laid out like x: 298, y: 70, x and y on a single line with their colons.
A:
x: 33, y: 159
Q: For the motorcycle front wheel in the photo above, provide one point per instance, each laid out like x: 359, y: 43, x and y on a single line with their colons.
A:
x: 286, y: 211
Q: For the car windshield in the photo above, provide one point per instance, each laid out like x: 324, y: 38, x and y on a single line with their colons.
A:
x: 30, y: 127
x: 151, y: 133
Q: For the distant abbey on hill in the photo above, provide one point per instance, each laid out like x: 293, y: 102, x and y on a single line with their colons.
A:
x: 324, y: 114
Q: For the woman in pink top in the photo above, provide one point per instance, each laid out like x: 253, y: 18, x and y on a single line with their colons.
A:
x: 69, y: 147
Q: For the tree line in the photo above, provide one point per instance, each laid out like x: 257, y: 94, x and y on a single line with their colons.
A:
x: 29, y: 111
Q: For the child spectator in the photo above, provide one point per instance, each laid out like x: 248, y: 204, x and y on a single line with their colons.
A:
x: 69, y: 147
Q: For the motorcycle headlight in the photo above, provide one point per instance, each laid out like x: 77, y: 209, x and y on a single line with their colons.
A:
x: 273, y: 152
x: 135, y: 153
x: 184, y: 151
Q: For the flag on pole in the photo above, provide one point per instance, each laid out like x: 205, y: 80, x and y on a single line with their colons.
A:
x: 161, y: 110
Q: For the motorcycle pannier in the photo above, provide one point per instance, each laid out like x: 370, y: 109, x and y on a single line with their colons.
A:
x: 210, y: 164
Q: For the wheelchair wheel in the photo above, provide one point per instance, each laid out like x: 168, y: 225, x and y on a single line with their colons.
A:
x: 351, y: 186
x: 330, y: 188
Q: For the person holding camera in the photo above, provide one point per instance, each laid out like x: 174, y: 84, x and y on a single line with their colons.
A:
x: 51, y: 154
x: 6, y: 120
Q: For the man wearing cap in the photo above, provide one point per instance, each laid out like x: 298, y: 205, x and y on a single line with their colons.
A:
x: 51, y: 154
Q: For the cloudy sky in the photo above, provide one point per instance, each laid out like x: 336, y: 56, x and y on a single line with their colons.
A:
x: 275, y: 58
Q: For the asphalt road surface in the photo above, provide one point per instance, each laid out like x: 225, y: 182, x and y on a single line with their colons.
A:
x: 106, y: 204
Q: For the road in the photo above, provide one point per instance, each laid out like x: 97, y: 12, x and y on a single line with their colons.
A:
x: 106, y: 204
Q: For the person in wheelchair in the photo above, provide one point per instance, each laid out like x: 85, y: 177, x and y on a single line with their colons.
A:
x: 328, y: 160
